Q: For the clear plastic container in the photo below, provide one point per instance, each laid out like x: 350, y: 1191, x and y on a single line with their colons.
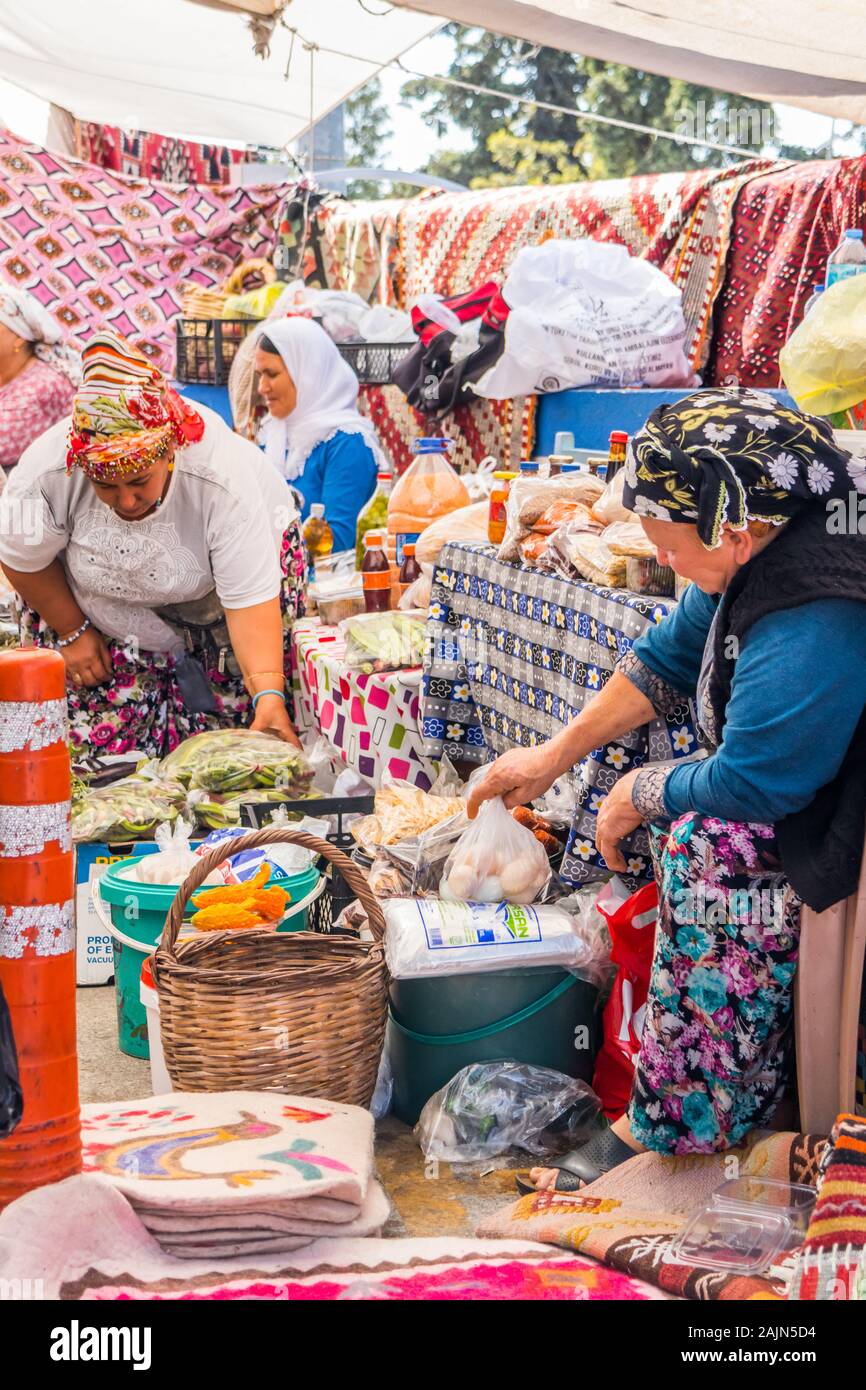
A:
x: 849, y: 257
x: 428, y: 489
x: 746, y: 1226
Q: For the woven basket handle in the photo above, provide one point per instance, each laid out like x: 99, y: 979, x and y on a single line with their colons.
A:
x: 354, y: 876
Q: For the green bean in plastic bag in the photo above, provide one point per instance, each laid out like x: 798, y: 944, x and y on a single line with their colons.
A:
x: 234, y: 760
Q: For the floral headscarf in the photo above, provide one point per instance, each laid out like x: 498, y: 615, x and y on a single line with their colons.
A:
x: 125, y: 415
x: 730, y: 457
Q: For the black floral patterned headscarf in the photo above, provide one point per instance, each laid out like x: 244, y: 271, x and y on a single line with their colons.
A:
x: 730, y: 457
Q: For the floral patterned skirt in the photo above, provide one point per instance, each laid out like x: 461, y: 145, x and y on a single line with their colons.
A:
x: 717, y: 1038
x: 141, y: 707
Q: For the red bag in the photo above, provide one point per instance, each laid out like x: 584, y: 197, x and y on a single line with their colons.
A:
x: 632, y: 929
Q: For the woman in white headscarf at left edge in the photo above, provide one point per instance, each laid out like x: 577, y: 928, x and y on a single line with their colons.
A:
x: 38, y: 374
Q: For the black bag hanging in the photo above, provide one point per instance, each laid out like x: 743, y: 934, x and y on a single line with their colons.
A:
x: 431, y: 382
x: 11, y: 1098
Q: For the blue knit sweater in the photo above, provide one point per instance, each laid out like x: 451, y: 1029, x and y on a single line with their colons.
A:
x: 341, y: 473
x: 798, y: 691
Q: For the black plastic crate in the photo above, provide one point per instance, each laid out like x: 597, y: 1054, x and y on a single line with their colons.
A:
x: 374, y: 363
x: 206, y: 348
x: 337, y: 894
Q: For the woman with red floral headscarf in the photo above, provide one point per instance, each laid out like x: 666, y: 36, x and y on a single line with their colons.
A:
x: 161, y: 554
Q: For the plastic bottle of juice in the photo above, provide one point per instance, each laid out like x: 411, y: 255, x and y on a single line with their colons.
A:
x: 849, y: 258
x: 374, y: 514
x: 410, y: 570
x: 318, y: 536
x: 428, y: 489
x: 376, y: 573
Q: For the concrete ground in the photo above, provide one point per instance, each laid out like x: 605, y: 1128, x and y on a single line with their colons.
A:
x: 427, y: 1200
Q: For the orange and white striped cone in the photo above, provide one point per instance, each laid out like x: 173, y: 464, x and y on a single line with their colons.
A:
x: 37, y: 922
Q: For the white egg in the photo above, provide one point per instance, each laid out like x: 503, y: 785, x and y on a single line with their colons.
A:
x: 461, y: 881
x: 490, y: 889
x: 519, y: 879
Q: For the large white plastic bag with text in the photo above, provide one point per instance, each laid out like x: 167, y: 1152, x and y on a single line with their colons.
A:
x: 429, y: 936
x: 496, y: 860
x: 586, y: 313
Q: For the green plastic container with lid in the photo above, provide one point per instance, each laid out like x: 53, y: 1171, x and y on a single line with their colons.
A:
x: 439, y: 1025
x: 137, y: 917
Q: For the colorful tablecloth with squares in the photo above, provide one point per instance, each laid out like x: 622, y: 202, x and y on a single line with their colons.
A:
x: 371, y: 721
x: 513, y: 655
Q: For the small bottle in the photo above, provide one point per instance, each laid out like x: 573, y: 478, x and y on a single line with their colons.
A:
x: 498, y: 502
x: 410, y: 570
x: 849, y: 258
x: 376, y: 574
x: 616, y: 453
x: 318, y: 536
x: 373, y: 516
x: 556, y: 463
x: 529, y: 468
x: 817, y: 291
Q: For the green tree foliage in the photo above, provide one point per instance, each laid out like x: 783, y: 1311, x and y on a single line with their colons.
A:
x: 368, y: 129
x: 512, y: 143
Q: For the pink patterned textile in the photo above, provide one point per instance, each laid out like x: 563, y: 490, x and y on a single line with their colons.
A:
x: 98, y: 249
x: 30, y: 404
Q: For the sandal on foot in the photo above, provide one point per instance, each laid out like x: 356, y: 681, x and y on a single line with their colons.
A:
x: 582, y: 1166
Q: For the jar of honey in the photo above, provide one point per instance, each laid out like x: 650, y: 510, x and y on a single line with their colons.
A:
x: 498, y: 502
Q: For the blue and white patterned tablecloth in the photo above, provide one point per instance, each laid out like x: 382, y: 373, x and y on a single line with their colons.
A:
x: 514, y: 655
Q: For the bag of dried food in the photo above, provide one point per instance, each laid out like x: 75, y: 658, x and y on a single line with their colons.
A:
x: 531, y: 498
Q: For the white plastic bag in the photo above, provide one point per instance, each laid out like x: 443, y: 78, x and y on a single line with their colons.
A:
x: 173, y: 860
x: 464, y: 524
x: 496, y: 860
x: 609, y: 508
x: 587, y: 313
x: 428, y: 936
x: 491, y: 1107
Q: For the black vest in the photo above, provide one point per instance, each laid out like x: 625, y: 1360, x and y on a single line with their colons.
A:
x: 821, y: 846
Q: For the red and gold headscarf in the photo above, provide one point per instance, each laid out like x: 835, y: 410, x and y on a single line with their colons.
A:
x: 125, y: 415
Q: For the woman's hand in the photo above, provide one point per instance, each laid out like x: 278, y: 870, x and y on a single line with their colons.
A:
x: 88, y: 660
x: 518, y: 776
x: 617, y: 818
x: 271, y: 717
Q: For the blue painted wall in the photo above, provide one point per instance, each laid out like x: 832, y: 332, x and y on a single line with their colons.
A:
x: 591, y: 415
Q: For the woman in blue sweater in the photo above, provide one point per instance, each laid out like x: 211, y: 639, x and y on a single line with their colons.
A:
x: 313, y: 433
x: 743, y: 497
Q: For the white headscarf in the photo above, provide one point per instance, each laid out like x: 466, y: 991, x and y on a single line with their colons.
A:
x: 26, y: 317
x: 327, y: 396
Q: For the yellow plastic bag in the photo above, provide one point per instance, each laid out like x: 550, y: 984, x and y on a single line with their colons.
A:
x: 255, y: 304
x: 823, y: 363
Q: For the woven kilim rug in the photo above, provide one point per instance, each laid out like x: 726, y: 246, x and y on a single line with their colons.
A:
x: 502, y: 429
x: 831, y: 1266
x: 629, y: 1217
x: 52, y: 1247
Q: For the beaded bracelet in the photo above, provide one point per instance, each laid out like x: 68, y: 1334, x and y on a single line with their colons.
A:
x: 260, y: 693
x: 74, y: 636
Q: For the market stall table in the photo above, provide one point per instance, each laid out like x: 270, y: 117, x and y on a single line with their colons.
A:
x: 514, y: 655
x: 371, y: 721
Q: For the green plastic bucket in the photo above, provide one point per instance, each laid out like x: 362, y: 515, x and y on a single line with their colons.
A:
x: 438, y: 1026
x: 138, y: 912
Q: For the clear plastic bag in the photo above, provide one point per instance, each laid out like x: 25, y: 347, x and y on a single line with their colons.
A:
x: 491, y: 1107
x: 403, y: 811
x: 173, y: 860
x: 495, y: 860
x: 417, y: 595
x: 609, y: 506
x: 384, y: 641
x: 628, y: 538
x: 414, y: 867
x: 430, y: 936
x: 233, y: 760
x: 465, y: 524
x: 130, y: 809
x: 578, y: 553
x: 530, y: 498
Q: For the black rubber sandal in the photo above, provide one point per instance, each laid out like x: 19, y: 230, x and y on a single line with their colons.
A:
x: 582, y: 1166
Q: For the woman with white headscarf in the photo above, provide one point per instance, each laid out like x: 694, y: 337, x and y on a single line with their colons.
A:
x: 313, y: 433
x: 38, y: 374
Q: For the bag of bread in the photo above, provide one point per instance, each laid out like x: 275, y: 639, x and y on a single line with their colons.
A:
x: 584, y: 555
x: 464, y: 524
x: 530, y: 498
x: 629, y: 538
x: 609, y: 506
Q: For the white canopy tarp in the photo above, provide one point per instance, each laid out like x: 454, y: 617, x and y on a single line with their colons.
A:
x: 187, y: 70
x: 807, y: 53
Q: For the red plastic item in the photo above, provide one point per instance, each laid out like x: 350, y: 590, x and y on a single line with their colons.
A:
x: 632, y: 930
x: 37, y: 926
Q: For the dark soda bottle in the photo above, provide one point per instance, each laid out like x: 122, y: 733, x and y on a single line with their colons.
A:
x: 376, y: 574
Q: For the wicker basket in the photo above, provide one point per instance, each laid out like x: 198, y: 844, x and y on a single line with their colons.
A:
x: 259, y: 1010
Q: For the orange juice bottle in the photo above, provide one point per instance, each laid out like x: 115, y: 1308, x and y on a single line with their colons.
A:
x: 427, y: 490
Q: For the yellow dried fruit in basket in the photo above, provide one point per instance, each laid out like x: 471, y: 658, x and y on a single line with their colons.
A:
x: 225, y: 917
x: 270, y: 903
x: 233, y: 892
